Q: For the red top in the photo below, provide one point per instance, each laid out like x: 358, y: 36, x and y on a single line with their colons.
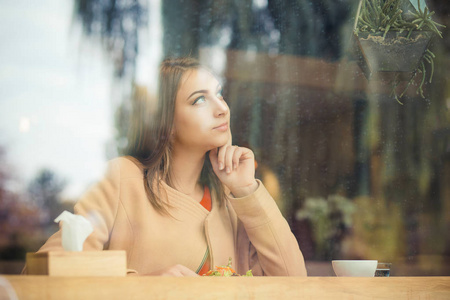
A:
x: 206, y: 203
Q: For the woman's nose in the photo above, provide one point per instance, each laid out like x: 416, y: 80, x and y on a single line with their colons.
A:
x: 221, y: 107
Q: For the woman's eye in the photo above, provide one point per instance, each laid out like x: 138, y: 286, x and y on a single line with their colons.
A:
x: 219, y: 94
x: 199, y: 100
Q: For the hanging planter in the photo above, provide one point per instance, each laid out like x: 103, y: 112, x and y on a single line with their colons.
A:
x: 392, y: 53
x: 392, y: 39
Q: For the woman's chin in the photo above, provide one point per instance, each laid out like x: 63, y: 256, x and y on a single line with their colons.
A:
x: 217, y: 143
x: 212, y: 148
x: 215, y: 146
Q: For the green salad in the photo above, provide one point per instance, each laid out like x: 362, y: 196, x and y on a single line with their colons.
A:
x: 227, y: 271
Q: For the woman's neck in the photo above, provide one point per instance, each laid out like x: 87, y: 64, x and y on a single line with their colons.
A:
x: 185, y: 171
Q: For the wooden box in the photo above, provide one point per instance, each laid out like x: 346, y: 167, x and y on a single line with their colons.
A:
x: 84, y: 263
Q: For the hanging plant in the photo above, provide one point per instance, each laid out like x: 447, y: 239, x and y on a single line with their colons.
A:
x: 393, y: 37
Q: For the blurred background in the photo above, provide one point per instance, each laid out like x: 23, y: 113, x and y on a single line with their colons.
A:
x: 357, y: 173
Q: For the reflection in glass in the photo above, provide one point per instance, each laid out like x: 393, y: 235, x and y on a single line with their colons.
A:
x: 319, y: 128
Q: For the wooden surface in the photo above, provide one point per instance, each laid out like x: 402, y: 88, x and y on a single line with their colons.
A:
x: 134, y: 287
x: 85, y: 263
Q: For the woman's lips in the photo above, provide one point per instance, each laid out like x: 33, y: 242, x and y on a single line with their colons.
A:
x: 222, y: 127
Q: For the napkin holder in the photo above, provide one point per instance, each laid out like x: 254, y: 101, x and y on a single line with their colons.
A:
x: 83, y: 263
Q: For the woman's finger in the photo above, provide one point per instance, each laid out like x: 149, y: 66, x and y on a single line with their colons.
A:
x: 185, y: 271
x: 230, y: 138
x: 236, y: 157
x: 213, y: 159
x: 229, y: 158
x: 221, y: 156
x: 175, y: 271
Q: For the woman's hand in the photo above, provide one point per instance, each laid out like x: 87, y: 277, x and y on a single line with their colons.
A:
x: 175, y: 271
x: 235, y: 167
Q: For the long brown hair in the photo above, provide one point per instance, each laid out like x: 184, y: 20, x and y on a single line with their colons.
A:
x: 149, y: 139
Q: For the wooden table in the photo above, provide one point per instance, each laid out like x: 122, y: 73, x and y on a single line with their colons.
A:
x: 45, y: 287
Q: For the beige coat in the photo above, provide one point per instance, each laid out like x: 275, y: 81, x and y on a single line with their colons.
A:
x: 250, y: 230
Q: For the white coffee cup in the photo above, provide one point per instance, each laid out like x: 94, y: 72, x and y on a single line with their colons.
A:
x: 354, y: 268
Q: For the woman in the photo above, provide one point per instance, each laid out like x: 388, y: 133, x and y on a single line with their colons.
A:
x: 185, y: 199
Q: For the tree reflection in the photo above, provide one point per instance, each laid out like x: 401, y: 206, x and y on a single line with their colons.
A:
x: 116, y: 23
x: 45, y: 192
x: 19, y: 223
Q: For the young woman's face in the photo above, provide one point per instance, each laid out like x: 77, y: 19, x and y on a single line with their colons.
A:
x: 202, y: 117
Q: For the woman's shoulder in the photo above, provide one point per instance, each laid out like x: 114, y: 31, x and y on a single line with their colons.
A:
x: 126, y: 166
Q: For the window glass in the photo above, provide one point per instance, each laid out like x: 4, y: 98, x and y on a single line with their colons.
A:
x: 348, y: 118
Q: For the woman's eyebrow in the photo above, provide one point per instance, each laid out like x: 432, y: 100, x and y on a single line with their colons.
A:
x: 197, y: 92
x: 219, y: 86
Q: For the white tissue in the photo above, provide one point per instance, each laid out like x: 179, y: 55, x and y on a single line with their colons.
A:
x: 75, y: 230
